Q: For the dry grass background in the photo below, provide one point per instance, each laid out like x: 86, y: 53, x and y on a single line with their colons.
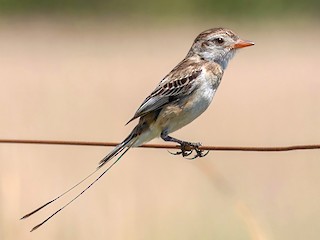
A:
x: 83, y: 81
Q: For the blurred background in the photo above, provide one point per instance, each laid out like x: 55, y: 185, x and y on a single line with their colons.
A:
x: 78, y: 70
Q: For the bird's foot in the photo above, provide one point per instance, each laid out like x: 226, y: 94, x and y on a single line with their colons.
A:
x: 187, y: 148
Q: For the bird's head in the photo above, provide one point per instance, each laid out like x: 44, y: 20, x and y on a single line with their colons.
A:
x: 218, y: 45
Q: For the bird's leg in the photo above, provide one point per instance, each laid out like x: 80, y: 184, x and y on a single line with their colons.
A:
x: 186, y: 147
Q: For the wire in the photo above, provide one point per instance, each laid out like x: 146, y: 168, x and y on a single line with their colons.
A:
x: 166, y: 146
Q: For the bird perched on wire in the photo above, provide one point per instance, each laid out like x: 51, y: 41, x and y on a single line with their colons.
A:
x: 185, y: 93
x: 181, y: 96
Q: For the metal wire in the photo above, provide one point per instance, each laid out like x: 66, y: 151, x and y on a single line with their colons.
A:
x: 166, y: 146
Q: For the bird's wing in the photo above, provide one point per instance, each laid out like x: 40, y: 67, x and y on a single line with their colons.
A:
x: 181, y: 81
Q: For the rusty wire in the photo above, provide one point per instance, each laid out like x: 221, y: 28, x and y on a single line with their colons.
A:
x: 166, y: 146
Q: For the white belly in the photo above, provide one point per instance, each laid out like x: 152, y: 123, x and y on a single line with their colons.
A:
x: 178, y: 114
x: 194, y: 106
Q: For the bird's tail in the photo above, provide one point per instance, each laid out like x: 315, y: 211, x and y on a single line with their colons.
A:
x: 127, y: 143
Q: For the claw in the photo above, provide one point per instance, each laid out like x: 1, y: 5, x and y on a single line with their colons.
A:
x: 199, y: 153
x: 203, y: 155
x: 192, y: 158
x: 174, y: 153
x: 184, y: 153
x: 187, y: 149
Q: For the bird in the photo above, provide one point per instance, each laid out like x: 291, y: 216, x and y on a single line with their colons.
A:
x: 180, y: 97
x: 185, y: 93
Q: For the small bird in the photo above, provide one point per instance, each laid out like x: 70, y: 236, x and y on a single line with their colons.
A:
x: 180, y: 97
x: 185, y: 93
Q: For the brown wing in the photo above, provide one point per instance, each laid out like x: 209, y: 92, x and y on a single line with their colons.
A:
x: 179, y: 82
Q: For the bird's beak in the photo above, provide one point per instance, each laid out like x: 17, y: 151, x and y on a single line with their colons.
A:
x: 243, y: 43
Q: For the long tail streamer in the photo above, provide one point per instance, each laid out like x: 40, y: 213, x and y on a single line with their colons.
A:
x: 83, y: 191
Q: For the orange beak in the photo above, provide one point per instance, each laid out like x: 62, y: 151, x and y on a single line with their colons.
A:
x: 243, y: 43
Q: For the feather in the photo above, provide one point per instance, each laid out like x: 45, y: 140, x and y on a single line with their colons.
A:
x: 176, y: 84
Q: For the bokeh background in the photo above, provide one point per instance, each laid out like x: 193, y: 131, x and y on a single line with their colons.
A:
x: 78, y: 70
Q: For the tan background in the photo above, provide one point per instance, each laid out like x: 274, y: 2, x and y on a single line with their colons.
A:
x: 82, y: 80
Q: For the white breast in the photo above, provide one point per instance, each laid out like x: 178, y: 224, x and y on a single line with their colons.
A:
x: 201, y: 98
x: 195, y: 104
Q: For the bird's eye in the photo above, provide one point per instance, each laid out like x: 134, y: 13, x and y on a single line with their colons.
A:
x: 218, y: 40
